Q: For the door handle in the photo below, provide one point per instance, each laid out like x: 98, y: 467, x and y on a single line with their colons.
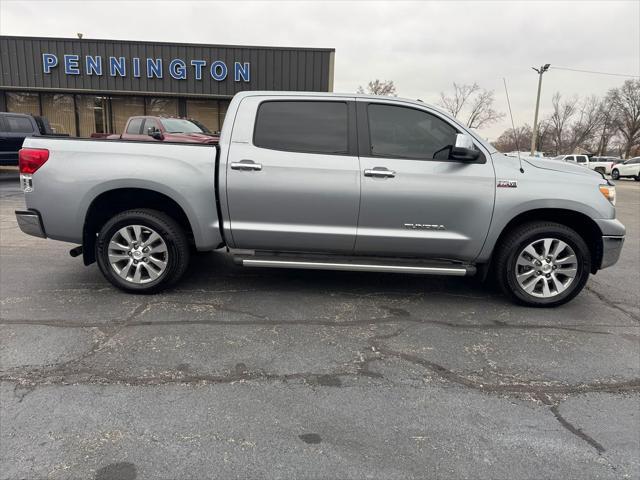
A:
x: 379, y: 172
x: 246, y: 165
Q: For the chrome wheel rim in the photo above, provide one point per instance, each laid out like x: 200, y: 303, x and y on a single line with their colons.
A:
x: 546, y: 267
x: 138, y: 254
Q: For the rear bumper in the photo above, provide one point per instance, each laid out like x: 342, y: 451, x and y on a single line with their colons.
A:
x: 611, y: 248
x: 30, y: 223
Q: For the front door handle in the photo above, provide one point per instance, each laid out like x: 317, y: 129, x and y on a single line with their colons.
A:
x: 246, y: 165
x: 379, y: 172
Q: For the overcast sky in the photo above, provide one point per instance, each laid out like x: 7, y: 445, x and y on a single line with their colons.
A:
x: 423, y: 46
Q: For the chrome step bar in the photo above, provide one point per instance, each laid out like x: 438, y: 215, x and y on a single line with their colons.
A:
x: 453, y: 269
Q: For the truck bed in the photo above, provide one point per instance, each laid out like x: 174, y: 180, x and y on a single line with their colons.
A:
x: 79, y: 171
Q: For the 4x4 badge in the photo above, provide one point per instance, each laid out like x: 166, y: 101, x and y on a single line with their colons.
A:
x: 507, y: 184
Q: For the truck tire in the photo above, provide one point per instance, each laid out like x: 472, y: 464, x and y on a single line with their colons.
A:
x: 542, y: 264
x: 615, y: 174
x: 142, y: 251
x: 600, y: 170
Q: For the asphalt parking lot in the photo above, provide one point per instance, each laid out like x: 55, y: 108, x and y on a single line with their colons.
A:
x: 256, y: 373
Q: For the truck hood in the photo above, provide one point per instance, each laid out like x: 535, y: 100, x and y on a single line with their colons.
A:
x: 561, y: 166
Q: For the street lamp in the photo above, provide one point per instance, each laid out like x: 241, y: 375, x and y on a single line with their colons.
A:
x: 540, y: 71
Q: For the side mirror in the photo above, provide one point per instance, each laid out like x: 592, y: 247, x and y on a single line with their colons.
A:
x: 464, y: 150
x: 155, y: 133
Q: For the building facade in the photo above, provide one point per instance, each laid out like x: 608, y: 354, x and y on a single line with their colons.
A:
x: 86, y: 86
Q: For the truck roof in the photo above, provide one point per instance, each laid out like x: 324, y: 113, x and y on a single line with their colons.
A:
x: 251, y: 93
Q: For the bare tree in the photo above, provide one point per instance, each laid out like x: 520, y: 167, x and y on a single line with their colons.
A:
x: 559, y: 121
x: 456, y: 102
x: 605, y: 126
x: 626, y: 104
x: 510, y: 140
x: 377, y: 87
x: 608, y: 128
x: 582, y: 132
x: 471, y: 102
x: 482, y: 112
x: 545, y: 136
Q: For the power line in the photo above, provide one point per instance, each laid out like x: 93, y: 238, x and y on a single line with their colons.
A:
x: 598, y: 73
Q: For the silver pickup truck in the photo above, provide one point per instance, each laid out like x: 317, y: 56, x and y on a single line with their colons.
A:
x: 325, y: 181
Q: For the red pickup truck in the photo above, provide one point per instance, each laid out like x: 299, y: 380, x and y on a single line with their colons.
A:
x: 166, y: 129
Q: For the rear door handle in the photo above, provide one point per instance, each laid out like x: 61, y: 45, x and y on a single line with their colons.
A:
x: 246, y: 165
x: 379, y: 172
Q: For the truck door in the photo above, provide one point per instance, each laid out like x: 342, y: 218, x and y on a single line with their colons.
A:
x: 292, y: 175
x: 582, y: 160
x: 415, y: 201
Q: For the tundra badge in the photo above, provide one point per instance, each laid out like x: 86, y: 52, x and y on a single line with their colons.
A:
x: 422, y: 226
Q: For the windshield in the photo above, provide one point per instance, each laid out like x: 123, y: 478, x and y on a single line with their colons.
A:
x: 178, y: 125
x: 201, y: 125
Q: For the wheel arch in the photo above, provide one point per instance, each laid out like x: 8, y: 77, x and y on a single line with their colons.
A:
x: 585, y: 226
x: 117, y: 200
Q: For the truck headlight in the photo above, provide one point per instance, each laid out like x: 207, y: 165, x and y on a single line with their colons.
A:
x: 609, y: 193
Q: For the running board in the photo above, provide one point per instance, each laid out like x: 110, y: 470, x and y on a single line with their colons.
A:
x: 355, y: 265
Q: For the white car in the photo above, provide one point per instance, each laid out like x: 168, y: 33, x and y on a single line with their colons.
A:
x: 628, y: 168
x: 603, y: 165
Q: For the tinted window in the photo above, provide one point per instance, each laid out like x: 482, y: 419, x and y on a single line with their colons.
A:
x: 408, y: 133
x: 302, y: 126
x: 19, y: 124
x: 134, y: 126
x: 581, y: 158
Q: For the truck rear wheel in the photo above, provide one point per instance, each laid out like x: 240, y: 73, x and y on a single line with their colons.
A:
x: 142, y: 251
x: 542, y: 264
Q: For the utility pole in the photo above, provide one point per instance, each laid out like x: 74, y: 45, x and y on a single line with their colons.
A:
x: 534, y: 137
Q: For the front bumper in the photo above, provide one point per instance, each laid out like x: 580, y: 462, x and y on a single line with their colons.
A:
x: 30, y: 223
x: 611, y: 248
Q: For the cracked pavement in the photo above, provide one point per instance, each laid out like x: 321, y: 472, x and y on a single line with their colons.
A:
x: 263, y: 373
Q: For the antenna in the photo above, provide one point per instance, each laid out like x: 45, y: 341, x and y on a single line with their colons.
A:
x: 515, y: 133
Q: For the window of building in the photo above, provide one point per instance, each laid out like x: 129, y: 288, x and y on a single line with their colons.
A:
x: 167, y: 107
x: 22, y: 102
x: 302, y: 126
x: 93, y: 115
x: 124, y: 107
x: 135, y: 126
x: 205, y: 112
x: 60, y: 111
x: 402, y: 132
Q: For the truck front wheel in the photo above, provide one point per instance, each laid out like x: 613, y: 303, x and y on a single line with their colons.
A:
x: 542, y: 264
x: 142, y: 251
